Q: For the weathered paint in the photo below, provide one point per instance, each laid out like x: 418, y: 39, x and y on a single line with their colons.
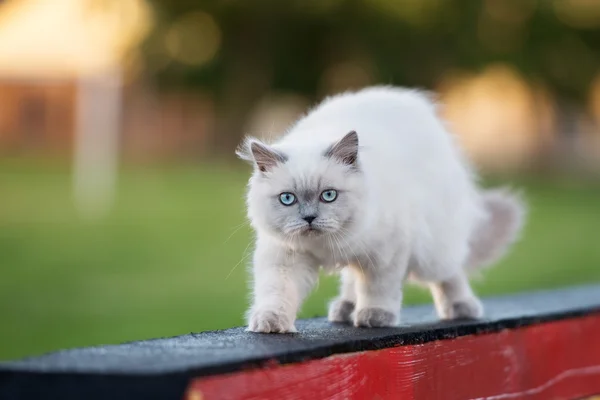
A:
x: 553, y: 360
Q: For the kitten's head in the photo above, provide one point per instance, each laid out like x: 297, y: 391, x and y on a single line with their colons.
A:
x: 303, y: 192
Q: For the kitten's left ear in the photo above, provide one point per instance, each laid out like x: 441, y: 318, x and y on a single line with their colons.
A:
x: 346, y: 149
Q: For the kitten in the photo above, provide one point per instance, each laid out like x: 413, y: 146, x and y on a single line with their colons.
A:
x: 372, y: 185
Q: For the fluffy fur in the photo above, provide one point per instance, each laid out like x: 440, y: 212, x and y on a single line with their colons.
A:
x: 407, y: 206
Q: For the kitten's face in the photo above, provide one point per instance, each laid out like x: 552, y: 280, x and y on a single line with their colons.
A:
x: 299, y: 195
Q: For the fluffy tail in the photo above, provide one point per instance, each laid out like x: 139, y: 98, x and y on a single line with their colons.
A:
x: 505, y: 218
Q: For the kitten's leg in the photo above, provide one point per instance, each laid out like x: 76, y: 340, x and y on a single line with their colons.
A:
x: 379, y: 296
x: 454, y: 298
x: 341, y: 308
x: 282, y: 279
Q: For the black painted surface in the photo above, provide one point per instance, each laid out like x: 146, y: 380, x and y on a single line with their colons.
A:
x: 161, y: 368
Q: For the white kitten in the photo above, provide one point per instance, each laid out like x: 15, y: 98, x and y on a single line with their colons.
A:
x: 372, y: 185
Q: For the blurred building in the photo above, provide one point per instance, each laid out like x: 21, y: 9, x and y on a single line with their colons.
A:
x: 64, y: 75
x: 36, y: 114
x: 49, y: 52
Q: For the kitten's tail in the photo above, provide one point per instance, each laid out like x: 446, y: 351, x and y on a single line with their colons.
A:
x: 498, y: 231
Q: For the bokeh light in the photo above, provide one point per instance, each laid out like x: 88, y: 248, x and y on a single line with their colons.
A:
x: 193, y: 39
x: 578, y: 13
x: 58, y: 38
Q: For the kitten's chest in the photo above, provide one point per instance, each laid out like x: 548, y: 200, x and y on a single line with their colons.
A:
x: 333, y: 255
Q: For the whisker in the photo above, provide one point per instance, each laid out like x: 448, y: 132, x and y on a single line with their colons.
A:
x: 245, y: 255
x: 342, y: 254
x: 363, y: 247
x: 353, y: 252
x: 236, y: 230
x: 330, y: 244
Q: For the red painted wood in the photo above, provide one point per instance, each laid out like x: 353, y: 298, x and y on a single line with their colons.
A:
x: 554, y: 360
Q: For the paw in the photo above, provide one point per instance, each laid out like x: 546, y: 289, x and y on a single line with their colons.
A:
x: 375, y: 318
x: 268, y: 321
x: 469, y: 308
x: 340, y: 311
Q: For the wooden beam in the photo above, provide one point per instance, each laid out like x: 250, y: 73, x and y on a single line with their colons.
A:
x: 534, y: 345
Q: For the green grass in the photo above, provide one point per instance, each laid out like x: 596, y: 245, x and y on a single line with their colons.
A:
x: 163, y: 262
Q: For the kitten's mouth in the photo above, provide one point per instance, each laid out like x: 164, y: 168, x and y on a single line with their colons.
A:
x: 311, y: 231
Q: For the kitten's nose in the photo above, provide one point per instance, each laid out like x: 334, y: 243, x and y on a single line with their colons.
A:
x: 309, y: 218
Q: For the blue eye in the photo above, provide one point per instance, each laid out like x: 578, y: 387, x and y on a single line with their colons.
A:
x: 329, y: 195
x: 287, y: 199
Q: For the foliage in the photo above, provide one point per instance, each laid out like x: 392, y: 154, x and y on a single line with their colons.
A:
x: 410, y: 42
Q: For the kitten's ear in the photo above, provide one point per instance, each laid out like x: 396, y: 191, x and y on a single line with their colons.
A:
x: 346, y: 149
x: 262, y: 156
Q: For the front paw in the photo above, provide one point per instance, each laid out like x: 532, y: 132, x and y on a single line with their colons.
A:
x: 269, y: 321
x: 340, y: 311
x: 469, y: 308
x: 375, y: 317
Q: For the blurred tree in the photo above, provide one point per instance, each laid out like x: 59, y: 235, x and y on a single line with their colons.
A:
x: 269, y: 44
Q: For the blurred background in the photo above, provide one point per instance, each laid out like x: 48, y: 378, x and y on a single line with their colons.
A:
x: 121, y: 203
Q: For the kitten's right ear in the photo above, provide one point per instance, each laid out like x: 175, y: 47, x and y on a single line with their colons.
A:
x: 261, y: 155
